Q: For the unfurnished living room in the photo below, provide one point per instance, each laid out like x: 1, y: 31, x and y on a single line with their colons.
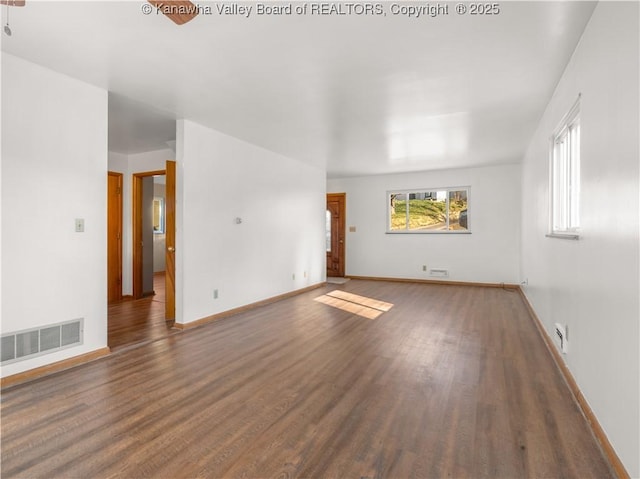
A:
x: 320, y: 239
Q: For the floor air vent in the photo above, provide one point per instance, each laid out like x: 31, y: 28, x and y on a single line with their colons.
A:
x: 46, y: 339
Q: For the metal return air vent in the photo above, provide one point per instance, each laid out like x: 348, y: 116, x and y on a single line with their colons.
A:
x: 38, y: 341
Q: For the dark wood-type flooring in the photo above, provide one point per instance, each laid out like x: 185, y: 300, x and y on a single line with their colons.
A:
x: 452, y: 381
x: 143, y: 320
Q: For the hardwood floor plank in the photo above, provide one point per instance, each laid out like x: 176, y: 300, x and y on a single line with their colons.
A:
x: 452, y: 381
x: 143, y: 320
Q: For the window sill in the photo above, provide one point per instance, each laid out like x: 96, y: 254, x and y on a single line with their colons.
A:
x: 569, y: 236
x: 450, y: 232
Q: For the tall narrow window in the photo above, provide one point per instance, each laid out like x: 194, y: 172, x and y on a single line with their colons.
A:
x: 328, y: 230
x: 565, y: 175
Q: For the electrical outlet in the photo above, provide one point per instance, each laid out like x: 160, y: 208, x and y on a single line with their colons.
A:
x: 79, y: 225
x: 525, y: 282
x: 293, y: 276
x: 305, y: 274
x: 215, y: 294
x: 424, y: 267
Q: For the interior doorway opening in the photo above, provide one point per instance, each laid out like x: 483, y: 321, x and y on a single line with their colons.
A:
x: 149, y: 232
x: 150, y: 312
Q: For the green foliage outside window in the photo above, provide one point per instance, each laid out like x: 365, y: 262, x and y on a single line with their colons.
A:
x: 428, y: 210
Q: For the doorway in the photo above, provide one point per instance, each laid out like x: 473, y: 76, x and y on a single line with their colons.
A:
x: 150, y: 314
x: 144, y: 232
x: 145, y: 211
x: 335, y: 228
x: 154, y: 222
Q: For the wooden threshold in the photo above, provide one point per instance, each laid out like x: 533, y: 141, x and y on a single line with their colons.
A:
x: 592, y: 421
x: 247, y: 307
x: 436, y: 281
x: 47, y: 369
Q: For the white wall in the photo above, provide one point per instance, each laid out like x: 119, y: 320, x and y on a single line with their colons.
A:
x: 150, y: 160
x: 128, y: 165
x: 118, y: 162
x: 488, y: 254
x: 592, y: 284
x: 281, y: 202
x: 54, y: 163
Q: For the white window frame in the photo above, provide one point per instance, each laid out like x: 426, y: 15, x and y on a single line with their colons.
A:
x: 564, y: 177
x: 429, y: 190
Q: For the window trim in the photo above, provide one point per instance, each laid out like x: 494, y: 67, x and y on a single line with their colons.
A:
x: 427, y: 190
x: 570, y: 196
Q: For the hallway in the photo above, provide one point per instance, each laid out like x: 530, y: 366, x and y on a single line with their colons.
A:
x: 139, y: 321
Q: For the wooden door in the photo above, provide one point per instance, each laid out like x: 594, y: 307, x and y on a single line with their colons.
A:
x: 114, y: 236
x: 335, y: 234
x: 170, y: 219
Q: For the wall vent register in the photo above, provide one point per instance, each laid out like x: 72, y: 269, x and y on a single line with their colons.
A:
x: 46, y: 339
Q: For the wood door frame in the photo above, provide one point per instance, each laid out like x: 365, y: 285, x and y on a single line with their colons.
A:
x: 119, y: 217
x: 342, y: 233
x: 136, y: 220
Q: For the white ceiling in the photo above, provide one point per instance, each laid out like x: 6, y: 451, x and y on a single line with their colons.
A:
x: 355, y: 94
x: 136, y: 127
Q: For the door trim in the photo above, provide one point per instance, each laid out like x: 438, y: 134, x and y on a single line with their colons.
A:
x: 118, y: 218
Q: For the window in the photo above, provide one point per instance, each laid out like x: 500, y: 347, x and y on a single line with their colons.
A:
x: 441, y: 210
x: 328, y: 229
x: 565, y: 176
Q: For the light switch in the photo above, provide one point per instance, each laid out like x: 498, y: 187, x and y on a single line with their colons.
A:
x: 79, y: 225
x: 352, y: 229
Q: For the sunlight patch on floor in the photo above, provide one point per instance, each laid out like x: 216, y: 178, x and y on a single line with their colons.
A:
x: 352, y: 303
x: 354, y: 298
